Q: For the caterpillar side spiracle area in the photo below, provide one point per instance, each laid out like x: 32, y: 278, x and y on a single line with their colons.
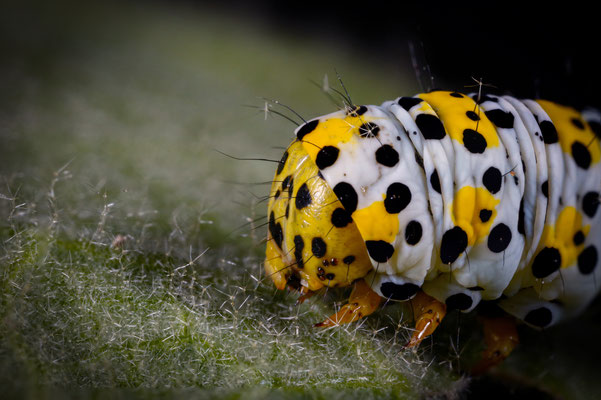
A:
x: 449, y: 200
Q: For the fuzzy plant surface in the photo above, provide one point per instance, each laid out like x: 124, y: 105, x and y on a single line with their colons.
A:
x: 131, y: 246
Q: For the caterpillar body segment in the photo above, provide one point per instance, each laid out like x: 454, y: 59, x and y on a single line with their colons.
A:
x: 444, y: 196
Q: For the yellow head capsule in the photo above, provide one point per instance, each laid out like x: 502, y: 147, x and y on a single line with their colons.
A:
x: 312, y: 241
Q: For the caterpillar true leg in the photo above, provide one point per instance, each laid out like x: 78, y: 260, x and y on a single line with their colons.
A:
x: 428, y: 313
x: 501, y: 337
x: 362, y: 302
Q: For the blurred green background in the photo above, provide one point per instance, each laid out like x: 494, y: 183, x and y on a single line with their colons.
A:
x: 131, y: 247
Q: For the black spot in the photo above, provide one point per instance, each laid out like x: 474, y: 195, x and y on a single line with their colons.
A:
x: 379, y: 250
x: 358, y: 110
x: 454, y: 242
x: 299, y: 245
x: 577, y: 123
x: 347, y: 196
x: 408, y: 102
x: 318, y: 247
x: 418, y: 159
x: 547, y: 261
x: 499, y: 238
x: 578, y: 238
x: 521, y: 218
x: 596, y: 127
x: 545, y: 189
x: 430, y: 126
x: 413, y: 232
x: 501, y: 119
x: 285, y: 183
x: 369, y: 129
x: 492, y: 180
x: 348, y: 260
x: 303, y: 197
x: 327, y: 156
x: 549, y: 132
x: 539, y: 317
x: 435, y: 181
x: 277, y: 194
x: 474, y: 141
x: 455, y: 94
x: 472, y: 115
x: 287, y: 210
x: 485, y: 215
x: 581, y: 155
x: 282, y: 163
x: 276, y: 230
x: 587, y: 260
x: 516, y: 180
x: 590, y: 203
x: 330, y: 276
x: 341, y: 218
x: 306, y: 129
x: 387, y: 156
x: 398, y: 196
x: 459, y: 301
x: 402, y: 292
x: 476, y: 288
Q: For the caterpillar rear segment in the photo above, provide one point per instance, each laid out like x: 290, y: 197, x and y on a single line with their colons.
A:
x: 446, y: 199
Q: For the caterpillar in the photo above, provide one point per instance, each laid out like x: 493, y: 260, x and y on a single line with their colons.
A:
x: 449, y: 200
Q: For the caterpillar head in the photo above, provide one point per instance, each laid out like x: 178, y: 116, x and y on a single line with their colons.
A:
x: 312, y: 240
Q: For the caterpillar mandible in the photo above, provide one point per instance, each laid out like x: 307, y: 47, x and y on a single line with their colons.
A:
x: 446, y: 199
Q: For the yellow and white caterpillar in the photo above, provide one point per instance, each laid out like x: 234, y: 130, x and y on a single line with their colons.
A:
x: 447, y: 199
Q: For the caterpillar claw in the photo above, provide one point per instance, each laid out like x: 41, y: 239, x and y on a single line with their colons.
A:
x: 362, y: 302
x: 500, y: 337
x: 305, y: 294
x: 428, y: 312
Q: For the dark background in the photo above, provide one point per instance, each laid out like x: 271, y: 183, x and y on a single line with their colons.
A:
x: 527, y: 49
